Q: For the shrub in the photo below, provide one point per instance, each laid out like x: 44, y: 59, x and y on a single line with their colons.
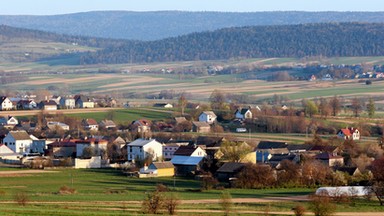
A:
x: 299, y: 210
x: 208, y: 183
x: 226, y: 202
x: 321, y: 205
x: 152, y: 203
x: 66, y: 190
x: 170, y: 203
x: 21, y: 198
x: 161, y: 188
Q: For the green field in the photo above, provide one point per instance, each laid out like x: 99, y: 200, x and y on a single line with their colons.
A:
x: 111, y: 192
x: 126, y: 115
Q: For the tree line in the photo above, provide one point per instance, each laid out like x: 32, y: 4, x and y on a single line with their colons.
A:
x: 325, y: 39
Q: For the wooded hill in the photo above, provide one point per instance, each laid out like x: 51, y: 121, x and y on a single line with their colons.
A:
x: 163, y: 24
x: 330, y: 40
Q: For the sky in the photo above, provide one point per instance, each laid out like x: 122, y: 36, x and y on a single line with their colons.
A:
x: 52, y: 7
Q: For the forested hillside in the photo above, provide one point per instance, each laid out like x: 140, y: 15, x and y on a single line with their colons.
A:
x: 164, y: 24
x: 331, y: 40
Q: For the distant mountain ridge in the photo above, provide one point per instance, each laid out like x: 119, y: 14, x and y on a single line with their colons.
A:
x: 163, y: 24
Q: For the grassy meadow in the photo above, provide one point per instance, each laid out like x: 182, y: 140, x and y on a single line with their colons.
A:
x: 111, y: 192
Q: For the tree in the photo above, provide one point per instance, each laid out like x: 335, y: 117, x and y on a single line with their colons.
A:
x: 310, y: 108
x: 377, y: 185
x: 182, y: 103
x: 371, y: 108
x: 335, y: 105
x: 89, y: 152
x: 324, y: 108
x: 356, y: 106
x: 255, y: 176
x: 217, y: 100
x: 234, y: 151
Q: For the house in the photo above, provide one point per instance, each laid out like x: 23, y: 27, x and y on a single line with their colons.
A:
x: 141, y: 126
x: 57, y: 125
x: 98, y: 145
x: 90, y: 124
x: 312, y: 78
x: 82, y: 101
x: 188, y: 159
x: 8, y: 121
x: 56, y: 98
x: 229, y: 170
x: 330, y: 159
x: 266, y: 149
x: 244, y: 113
x: 170, y: 148
x: 8, y: 156
x: 201, y: 127
x: 349, y: 134
x: 119, y: 142
x: 48, y: 105
x: 299, y: 148
x: 61, y: 149
x: 18, y: 141
x: 180, y: 120
x: 26, y: 104
x: 67, y: 103
x: 158, y: 169
x: 352, y: 171
x: 38, y: 145
x: 211, y: 145
x: 207, y: 116
x: 276, y: 159
x: 141, y: 149
x: 163, y: 105
x: 107, y: 124
x: 5, y: 103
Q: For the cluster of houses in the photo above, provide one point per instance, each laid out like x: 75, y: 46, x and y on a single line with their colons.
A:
x: 170, y: 157
x: 53, y: 103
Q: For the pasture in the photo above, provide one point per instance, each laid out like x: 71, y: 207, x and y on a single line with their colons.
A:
x: 111, y: 192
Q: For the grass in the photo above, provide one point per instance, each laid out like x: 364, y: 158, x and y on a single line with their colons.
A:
x: 126, y: 115
x: 110, y: 192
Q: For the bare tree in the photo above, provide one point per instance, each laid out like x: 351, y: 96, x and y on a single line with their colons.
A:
x: 335, y: 105
x: 356, y: 106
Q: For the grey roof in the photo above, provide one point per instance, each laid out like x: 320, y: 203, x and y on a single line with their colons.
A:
x: 20, y: 135
x: 271, y: 145
x: 141, y: 142
x: 231, y: 167
x: 201, y: 124
x: 186, y: 160
x: 209, y: 113
x: 162, y: 165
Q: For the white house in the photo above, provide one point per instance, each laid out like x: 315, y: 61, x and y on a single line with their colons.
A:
x: 7, y: 155
x: 18, y: 141
x: 26, y: 104
x: 99, y: 145
x: 84, y: 102
x: 243, y: 114
x: 349, y: 133
x: 57, y: 125
x: 67, y: 103
x: 207, y: 116
x: 141, y: 149
x: 10, y: 120
x: 5, y: 103
x: 90, y: 124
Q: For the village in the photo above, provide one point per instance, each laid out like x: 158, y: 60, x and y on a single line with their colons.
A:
x: 196, y: 147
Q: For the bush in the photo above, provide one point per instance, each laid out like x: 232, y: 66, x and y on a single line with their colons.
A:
x: 170, y: 203
x: 226, y: 202
x: 299, y: 210
x: 66, y: 190
x: 152, y: 203
x: 321, y: 205
x: 208, y: 183
x: 21, y: 198
x: 161, y: 188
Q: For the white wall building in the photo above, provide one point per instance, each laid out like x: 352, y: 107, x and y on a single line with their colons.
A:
x: 18, y: 141
x: 141, y: 148
x: 207, y: 116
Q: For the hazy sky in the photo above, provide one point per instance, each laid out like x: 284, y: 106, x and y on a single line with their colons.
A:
x: 44, y: 7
